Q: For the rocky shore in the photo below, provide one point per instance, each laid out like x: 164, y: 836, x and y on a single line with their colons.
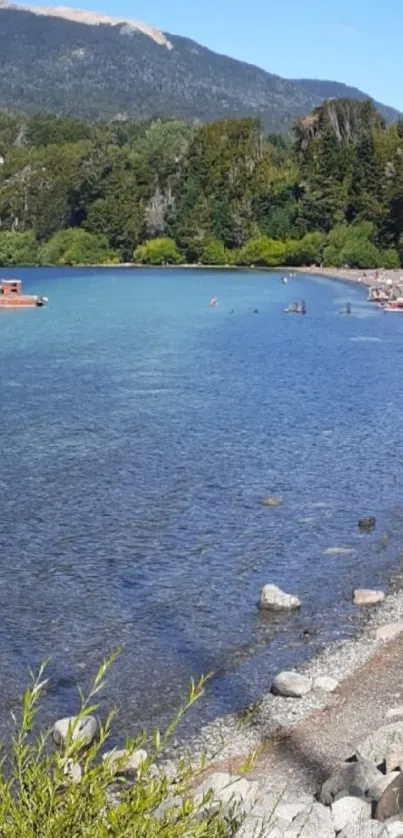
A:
x: 355, y: 694
x: 392, y: 279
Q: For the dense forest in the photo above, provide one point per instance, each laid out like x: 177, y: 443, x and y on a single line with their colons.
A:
x: 165, y: 192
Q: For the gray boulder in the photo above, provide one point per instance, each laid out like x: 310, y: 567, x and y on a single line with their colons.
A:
x: 84, y: 731
x: 291, y: 685
x: 368, y: 829
x: 389, y: 631
x: 377, y: 789
x: 171, y: 804
x: 257, y: 828
x: 349, y: 778
x: 123, y: 762
x: 229, y: 792
x: 349, y: 810
x: 325, y: 684
x: 313, y: 822
x: 391, y: 802
x: 73, y: 771
x: 366, y: 596
x: 272, y: 598
x: 382, y: 742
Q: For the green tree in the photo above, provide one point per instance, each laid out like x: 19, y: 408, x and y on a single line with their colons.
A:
x: 214, y: 253
x: 262, y: 251
x: 158, y: 252
x: 18, y: 248
x: 77, y: 247
x: 390, y: 259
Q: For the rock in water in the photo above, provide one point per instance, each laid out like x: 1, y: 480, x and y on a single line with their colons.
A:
x: 125, y: 763
x: 349, y: 810
x: 365, y: 596
x: 349, y: 778
x: 84, y: 732
x: 314, y: 822
x: 272, y: 502
x: 378, y: 745
x: 291, y: 685
x: 391, y: 802
x: 273, y: 598
x: 367, y: 524
x: 325, y: 684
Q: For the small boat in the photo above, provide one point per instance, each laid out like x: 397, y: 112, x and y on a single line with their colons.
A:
x: 394, y: 305
x: 11, y: 296
x: 284, y: 280
x: 213, y: 302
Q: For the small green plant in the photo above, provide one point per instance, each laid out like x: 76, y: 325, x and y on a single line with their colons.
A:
x: 71, y: 792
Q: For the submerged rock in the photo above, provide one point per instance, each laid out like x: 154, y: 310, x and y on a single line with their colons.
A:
x: 365, y: 596
x: 367, y: 524
x: 84, y: 731
x: 272, y: 502
x: 291, y: 685
x: 273, y: 598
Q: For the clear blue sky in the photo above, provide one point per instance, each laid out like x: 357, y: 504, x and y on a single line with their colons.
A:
x: 358, y: 42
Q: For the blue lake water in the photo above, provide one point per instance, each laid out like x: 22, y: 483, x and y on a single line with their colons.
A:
x: 140, y: 430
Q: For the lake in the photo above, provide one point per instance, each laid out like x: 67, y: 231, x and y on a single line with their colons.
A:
x: 140, y: 430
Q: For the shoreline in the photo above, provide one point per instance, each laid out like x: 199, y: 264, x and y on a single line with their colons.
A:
x: 363, y: 277
x: 227, y: 742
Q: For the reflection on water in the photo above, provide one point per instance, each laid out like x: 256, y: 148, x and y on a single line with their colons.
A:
x: 140, y: 430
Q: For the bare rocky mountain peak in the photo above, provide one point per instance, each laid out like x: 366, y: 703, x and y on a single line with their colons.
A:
x: 93, y: 19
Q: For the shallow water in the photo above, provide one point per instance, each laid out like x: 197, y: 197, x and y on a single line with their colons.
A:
x: 140, y: 430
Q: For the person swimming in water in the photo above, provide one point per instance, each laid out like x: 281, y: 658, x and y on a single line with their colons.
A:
x: 213, y: 302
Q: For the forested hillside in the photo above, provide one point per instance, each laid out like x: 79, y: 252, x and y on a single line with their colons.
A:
x: 161, y: 192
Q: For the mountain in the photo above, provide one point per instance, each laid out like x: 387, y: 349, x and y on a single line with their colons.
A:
x: 86, y: 65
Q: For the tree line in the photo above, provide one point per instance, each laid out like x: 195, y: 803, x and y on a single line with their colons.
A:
x: 166, y: 192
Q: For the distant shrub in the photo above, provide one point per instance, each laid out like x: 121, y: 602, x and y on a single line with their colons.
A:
x: 76, y: 246
x: 214, y: 253
x: 262, y: 251
x: 305, y: 251
x: 352, y: 246
x: 18, y: 248
x: 158, y: 252
x: 390, y: 259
